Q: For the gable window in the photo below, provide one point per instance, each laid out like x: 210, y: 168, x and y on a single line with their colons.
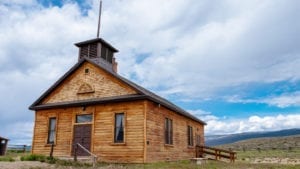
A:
x: 84, y: 118
x: 168, y: 131
x: 190, y: 135
x: 119, y: 128
x: 51, y: 130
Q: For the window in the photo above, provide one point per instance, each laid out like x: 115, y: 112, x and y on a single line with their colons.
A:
x: 119, y: 128
x: 190, y: 135
x: 168, y: 131
x: 51, y: 130
x: 85, y: 118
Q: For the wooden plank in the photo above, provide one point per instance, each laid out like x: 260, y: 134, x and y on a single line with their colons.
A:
x: 104, y: 85
x: 157, y: 150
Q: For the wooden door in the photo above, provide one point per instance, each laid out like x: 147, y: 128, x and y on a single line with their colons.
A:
x: 82, y: 135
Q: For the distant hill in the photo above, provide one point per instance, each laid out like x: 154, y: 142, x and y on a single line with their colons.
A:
x: 265, y: 143
x: 215, y: 140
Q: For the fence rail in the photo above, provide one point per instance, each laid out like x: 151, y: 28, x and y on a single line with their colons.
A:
x: 94, y: 157
x: 216, y: 152
x: 18, y: 148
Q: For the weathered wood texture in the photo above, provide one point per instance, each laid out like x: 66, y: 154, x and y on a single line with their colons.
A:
x: 144, y: 122
x: 63, y: 134
x: 64, y: 126
x: 156, y: 148
x: 132, y: 150
x: 102, y: 144
x: 103, y: 85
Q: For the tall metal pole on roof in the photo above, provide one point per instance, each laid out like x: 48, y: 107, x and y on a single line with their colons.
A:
x: 99, y: 20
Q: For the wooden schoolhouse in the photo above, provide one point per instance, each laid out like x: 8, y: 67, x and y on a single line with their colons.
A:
x: 112, y: 117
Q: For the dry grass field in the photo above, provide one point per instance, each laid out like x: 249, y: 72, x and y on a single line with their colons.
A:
x: 267, y: 153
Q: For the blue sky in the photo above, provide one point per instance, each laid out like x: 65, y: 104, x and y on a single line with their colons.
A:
x: 233, y: 64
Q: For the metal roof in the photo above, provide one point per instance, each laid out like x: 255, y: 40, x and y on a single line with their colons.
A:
x: 79, y: 44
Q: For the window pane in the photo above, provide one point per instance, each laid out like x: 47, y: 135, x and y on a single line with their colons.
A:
x: 119, y: 128
x: 190, y: 136
x: 168, y: 131
x: 52, y: 123
x: 51, y: 130
x: 84, y: 118
x: 171, y: 131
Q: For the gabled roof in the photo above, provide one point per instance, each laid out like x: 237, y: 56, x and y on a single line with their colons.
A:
x: 142, y: 94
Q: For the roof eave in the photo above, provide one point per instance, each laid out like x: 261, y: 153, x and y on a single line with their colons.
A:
x: 79, y: 44
x: 89, y: 102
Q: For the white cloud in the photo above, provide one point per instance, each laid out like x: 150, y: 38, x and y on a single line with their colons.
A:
x: 282, y: 101
x: 35, y: 50
x: 216, y: 125
x: 18, y: 132
x: 247, y: 45
x: 193, y: 49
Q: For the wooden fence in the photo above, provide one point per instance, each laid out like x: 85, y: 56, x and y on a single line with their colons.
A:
x: 17, y: 148
x: 201, y: 151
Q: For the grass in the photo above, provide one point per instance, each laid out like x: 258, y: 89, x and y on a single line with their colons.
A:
x: 7, y: 158
x: 241, y: 162
x: 209, y: 165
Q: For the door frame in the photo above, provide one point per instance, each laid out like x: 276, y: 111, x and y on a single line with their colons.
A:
x: 90, y: 144
x: 82, y: 111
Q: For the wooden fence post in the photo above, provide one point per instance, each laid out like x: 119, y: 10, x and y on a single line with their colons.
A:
x: 51, y: 150
x: 75, y: 152
x: 24, y: 148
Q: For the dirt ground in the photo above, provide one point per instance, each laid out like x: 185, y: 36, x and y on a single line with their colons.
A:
x: 277, y: 161
x: 40, y: 165
x: 24, y: 165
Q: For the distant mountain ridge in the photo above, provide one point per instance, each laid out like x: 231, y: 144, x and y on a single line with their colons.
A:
x: 214, y: 140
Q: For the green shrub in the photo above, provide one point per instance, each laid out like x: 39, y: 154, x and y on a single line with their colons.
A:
x: 51, y: 160
x: 5, y: 158
x: 33, y: 157
x: 72, y: 163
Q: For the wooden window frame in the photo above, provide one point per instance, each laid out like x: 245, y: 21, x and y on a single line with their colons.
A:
x: 114, y: 129
x: 168, y: 131
x: 190, y: 136
x: 50, y: 131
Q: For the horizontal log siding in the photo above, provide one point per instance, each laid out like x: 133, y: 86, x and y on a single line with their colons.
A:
x: 63, y: 132
x: 156, y: 149
x: 103, y: 84
x: 133, y: 149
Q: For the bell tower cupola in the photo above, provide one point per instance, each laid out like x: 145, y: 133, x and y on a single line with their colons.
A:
x: 99, y: 51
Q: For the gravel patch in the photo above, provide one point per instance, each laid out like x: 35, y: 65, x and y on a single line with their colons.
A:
x: 24, y: 165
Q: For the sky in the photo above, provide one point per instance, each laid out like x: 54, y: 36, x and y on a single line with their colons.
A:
x: 233, y: 64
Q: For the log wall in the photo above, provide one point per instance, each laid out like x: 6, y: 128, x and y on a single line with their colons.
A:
x: 157, y: 150
x: 63, y: 134
x: 132, y: 150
